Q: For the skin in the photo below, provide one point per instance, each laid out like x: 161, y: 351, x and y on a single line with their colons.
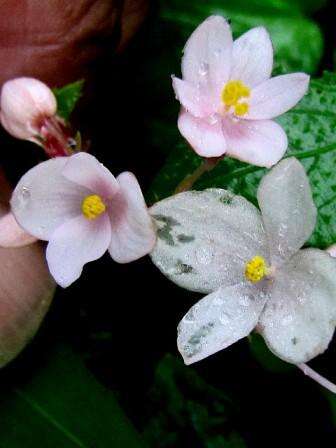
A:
x: 56, y: 41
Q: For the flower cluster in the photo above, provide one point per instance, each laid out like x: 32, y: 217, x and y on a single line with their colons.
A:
x: 249, y: 262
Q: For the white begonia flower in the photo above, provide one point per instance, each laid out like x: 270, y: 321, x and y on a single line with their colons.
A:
x: 251, y: 266
x: 229, y: 98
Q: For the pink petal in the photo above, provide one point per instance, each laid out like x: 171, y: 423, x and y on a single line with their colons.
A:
x: 75, y: 243
x: 44, y: 199
x: 133, y: 234
x: 192, y: 99
x: 207, y: 55
x: 85, y: 170
x: 252, y: 58
x: 26, y: 291
x: 261, y: 143
x: 11, y: 234
x: 277, y: 95
x: 205, y: 138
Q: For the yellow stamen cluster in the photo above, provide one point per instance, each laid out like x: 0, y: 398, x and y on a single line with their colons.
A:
x: 256, y: 269
x: 93, y: 206
x: 231, y: 95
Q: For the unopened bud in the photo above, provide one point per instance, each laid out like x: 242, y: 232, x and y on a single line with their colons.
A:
x: 25, y: 103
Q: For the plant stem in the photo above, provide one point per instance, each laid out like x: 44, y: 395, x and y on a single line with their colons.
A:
x: 207, y: 165
x: 317, y: 377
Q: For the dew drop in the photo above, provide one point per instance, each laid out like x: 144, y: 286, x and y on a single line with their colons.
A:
x: 203, y: 69
x: 224, y: 318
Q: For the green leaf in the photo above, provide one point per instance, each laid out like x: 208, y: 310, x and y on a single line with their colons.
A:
x: 311, y: 129
x: 265, y: 357
x: 67, y: 97
x: 181, y: 401
x: 63, y: 406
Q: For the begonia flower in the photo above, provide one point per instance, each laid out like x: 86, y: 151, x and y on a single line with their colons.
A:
x: 28, y: 111
x: 228, y: 98
x: 82, y: 210
x: 252, y: 267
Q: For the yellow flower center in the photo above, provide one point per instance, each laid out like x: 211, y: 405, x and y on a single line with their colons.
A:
x: 256, y: 269
x: 232, y: 94
x: 93, y: 206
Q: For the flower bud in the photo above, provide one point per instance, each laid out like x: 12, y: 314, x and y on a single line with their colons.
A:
x: 25, y: 103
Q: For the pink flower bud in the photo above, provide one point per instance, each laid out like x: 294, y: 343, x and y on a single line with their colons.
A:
x: 25, y: 103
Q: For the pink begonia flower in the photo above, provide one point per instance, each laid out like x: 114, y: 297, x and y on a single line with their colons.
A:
x: 82, y: 210
x: 228, y: 97
x: 28, y: 112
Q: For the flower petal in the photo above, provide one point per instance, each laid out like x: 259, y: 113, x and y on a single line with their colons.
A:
x: 192, y: 99
x: 11, y: 234
x: 85, y: 170
x: 75, y: 243
x: 277, y: 95
x: 44, y: 199
x: 298, y: 321
x: 252, y: 58
x: 133, y: 234
x: 205, y: 238
x: 206, y: 138
x: 207, y: 55
x: 261, y: 143
x: 219, y: 320
x: 287, y: 208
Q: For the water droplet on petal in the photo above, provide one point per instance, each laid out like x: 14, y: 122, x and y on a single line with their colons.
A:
x: 203, y: 69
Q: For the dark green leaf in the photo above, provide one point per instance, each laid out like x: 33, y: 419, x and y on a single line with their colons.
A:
x: 63, y: 406
x: 182, y: 401
x: 311, y: 128
x: 67, y: 97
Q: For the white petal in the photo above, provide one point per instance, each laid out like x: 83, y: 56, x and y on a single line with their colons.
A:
x: 252, y: 58
x: 261, y: 143
x: 277, y: 95
x: 192, y: 98
x: 133, y: 234
x: 85, y: 170
x: 44, y: 199
x: 205, y: 238
x: 74, y: 244
x: 287, y: 208
x: 219, y: 320
x: 299, y: 320
x: 207, y: 55
x: 206, y: 138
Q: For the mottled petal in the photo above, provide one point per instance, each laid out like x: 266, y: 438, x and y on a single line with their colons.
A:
x: 252, y: 58
x: 261, y: 143
x: 11, y: 234
x: 277, y: 95
x: 205, y: 238
x: 85, y: 170
x: 219, y: 320
x: 75, y: 243
x: 192, y: 99
x: 287, y: 207
x: 205, y: 137
x: 299, y: 319
x: 133, y: 233
x: 44, y: 199
x: 207, y: 55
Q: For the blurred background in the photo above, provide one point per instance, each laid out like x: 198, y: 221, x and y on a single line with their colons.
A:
x: 103, y: 370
